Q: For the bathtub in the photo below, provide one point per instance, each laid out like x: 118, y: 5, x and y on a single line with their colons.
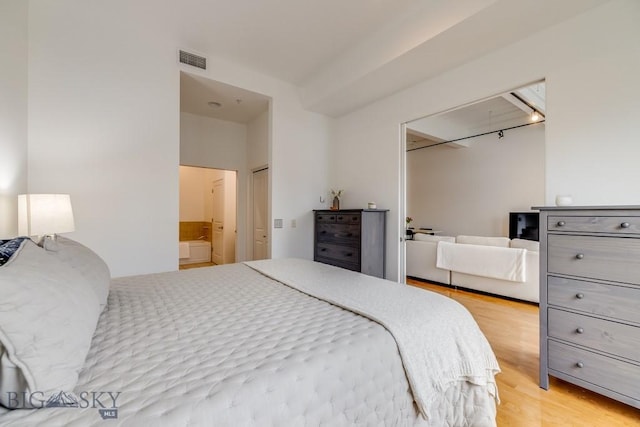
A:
x: 198, y: 251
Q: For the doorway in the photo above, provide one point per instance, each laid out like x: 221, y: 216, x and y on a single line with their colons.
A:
x: 466, y: 169
x: 208, y: 216
x: 227, y: 128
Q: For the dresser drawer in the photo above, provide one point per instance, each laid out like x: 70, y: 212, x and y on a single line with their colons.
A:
x: 348, y: 218
x: 338, y: 252
x: 603, y: 335
x: 602, y: 371
x: 338, y: 263
x: 595, y: 224
x: 618, y: 302
x: 608, y: 258
x: 324, y: 218
x: 338, y: 233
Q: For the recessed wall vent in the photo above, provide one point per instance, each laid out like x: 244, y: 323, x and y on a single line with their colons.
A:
x: 193, y: 60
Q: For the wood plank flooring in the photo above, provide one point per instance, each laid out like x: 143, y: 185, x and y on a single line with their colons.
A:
x: 512, y: 329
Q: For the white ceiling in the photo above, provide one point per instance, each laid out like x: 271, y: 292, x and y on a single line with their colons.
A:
x: 345, y: 54
x: 491, y: 115
x: 236, y: 104
x: 287, y: 39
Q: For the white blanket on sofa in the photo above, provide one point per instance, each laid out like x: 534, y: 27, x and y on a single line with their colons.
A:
x: 479, y: 260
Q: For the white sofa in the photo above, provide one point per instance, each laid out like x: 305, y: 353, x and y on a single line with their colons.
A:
x: 422, y: 263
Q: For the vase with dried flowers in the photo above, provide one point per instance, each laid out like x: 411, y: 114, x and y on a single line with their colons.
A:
x: 409, y: 231
x: 336, y: 194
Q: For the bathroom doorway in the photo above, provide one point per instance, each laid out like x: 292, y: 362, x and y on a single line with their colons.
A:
x: 208, y: 216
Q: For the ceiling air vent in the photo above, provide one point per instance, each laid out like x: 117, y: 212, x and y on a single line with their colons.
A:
x: 193, y: 60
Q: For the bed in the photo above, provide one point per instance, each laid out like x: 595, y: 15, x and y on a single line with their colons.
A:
x: 275, y: 342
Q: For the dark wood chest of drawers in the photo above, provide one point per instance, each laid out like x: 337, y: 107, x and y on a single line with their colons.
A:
x: 590, y: 299
x: 353, y: 239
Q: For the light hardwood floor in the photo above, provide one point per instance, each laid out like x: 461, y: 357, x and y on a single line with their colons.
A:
x: 512, y: 330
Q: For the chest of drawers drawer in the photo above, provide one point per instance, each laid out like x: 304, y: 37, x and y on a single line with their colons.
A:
x: 338, y: 253
x: 603, y: 372
x: 608, y: 258
x: 614, y: 302
x: 347, y: 234
x: 595, y: 224
x: 348, y: 218
x: 326, y: 218
x: 615, y: 338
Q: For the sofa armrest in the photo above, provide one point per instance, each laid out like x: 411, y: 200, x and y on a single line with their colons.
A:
x: 421, y: 262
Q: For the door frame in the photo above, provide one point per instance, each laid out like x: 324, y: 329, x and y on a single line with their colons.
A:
x: 221, y: 183
x: 402, y: 206
x: 251, y: 210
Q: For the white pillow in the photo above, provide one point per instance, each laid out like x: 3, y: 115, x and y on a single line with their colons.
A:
x: 502, y: 242
x: 529, y: 245
x: 431, y: 238
x: 84, y: 261
x: 48, y: 314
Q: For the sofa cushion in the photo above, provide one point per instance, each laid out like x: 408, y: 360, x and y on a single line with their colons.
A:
x: 431, y: 238
x: 529, y: 245
x: 502, y: 242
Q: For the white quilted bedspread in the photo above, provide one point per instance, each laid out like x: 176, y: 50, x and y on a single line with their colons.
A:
x: 419, y: 322
x: 227, y: 346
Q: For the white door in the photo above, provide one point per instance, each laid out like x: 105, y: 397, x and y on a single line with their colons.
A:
x: 260, y: 217
x: 217, y: 234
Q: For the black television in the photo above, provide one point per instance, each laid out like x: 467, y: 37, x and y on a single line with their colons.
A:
x: 524, y: 225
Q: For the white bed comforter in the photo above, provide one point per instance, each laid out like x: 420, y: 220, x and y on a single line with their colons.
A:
x: 227, y: 346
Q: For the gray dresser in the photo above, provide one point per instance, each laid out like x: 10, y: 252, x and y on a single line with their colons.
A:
x: 590, y: 299
x: 353, y: 239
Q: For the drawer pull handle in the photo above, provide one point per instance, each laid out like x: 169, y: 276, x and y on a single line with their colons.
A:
x: 332, y: 218
x: 580, y: 365
x: 323, y: 232
x: 323, y: 249
x: 580, y: 256
x: 579, y: 296
x: 340, y: 218
x: 349, y: 254
x: 580, y: 330
x: 561, y: 223
x: 349, y: 234
x: 355, y: 218
x: 625, y: 225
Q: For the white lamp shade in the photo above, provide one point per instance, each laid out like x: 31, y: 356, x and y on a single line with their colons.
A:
x: 44, y: 214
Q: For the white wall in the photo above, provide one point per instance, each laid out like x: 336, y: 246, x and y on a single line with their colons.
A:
x: 258, y: 132
x: 590, y: 64
x: 212, y: 143
x: 472, y: 190
x: 13, y: 111
x: 194, y: 184
x: 104, y: 126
